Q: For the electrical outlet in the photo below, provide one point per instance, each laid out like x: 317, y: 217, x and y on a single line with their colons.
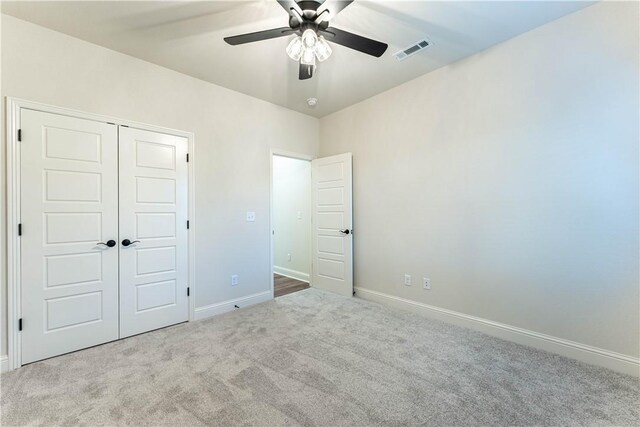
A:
x: 234, y: 280
x: 426, y: 283
x: 251, y: 216
x: 288, y: 257
x: 407, y: 280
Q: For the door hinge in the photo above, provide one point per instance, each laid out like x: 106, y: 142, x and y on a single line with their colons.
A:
x: 19, y: 134
x: 19, y: 229
x: 187, y: 291
x: 187, y: 157
x: 20, y: 324
x: 187, y: 224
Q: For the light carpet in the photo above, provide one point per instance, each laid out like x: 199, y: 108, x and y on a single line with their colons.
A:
x: 313, y: 358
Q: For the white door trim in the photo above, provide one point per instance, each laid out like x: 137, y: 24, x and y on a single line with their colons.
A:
x: 290, y: 154
x: 13, y: 107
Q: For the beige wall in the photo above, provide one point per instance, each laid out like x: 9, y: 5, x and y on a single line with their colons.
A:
x: 510, y: 179
x: 233, y: 137
x: 292, y: 195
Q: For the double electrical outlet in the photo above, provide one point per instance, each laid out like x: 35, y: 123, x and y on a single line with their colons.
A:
x: 426, y: 282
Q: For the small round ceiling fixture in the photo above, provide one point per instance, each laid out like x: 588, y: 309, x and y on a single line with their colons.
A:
x: 312, y: 102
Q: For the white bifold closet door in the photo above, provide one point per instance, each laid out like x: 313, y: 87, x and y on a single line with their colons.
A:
x: 103, y: 248
x: 153, y: 214
x: 68, y: 206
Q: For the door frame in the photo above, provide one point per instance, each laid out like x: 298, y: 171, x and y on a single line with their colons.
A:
x: 291, y: 155
x: 14, y: 286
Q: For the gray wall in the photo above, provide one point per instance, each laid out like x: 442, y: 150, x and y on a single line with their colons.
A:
x: 510, y: 179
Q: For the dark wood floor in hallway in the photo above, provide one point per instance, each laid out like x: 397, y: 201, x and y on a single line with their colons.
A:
x: 284, y: 285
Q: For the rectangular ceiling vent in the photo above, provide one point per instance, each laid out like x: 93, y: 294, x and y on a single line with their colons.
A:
x: 412, y: 50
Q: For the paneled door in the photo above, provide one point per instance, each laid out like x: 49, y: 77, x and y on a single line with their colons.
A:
x: 153, y: 230
x: 68, y: 214
x: 332, y: 256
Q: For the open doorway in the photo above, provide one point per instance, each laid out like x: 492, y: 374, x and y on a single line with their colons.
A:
x: 291, y: 224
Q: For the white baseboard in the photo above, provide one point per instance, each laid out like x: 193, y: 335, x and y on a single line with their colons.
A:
x: 230, y: 305
x: 4, y: 363
x: 291, y: 273
x: 593, y: 355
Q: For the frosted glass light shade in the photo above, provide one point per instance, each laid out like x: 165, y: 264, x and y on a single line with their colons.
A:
x: 294, y: 50
x: 323, y: 50
x: 309, y: 39
x: 308, y: 57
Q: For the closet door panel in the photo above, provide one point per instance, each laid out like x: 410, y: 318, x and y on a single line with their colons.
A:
x: 153, y: 215
x: 68, y: 206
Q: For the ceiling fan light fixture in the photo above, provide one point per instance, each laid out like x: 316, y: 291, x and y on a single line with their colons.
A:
x: 309, y: 47
x: 323, y: 50
x: 294, y: 50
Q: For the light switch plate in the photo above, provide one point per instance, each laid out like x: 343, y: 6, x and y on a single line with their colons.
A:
x: 251, y: 216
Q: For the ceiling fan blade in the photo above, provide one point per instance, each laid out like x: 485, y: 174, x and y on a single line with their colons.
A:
x: 290, y: 4
x: 330, y: 8
x: 259, y: 35
x: 354, y: 41
x: 305, y: 72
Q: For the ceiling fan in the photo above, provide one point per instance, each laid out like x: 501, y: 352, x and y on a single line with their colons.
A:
x: 309, y: 21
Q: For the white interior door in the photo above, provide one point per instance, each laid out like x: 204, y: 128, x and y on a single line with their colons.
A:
x: 153, y: 214
x: 69, y: 204
x: 332, y: 257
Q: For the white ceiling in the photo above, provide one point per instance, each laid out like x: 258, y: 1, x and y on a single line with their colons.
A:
x: 187, y: 37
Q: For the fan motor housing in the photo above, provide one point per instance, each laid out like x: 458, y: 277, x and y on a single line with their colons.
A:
x: 309, y: 15
x: 309, y: 5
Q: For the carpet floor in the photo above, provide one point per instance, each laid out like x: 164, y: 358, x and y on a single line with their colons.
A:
x: 312, y: 358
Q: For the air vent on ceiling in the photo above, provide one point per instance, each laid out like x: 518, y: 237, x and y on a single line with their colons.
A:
x: 412, y: 50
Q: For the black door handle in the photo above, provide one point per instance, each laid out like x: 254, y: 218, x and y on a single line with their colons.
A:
x: 345, y: 231
x: 110, y: 243
x: 127, y: 242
